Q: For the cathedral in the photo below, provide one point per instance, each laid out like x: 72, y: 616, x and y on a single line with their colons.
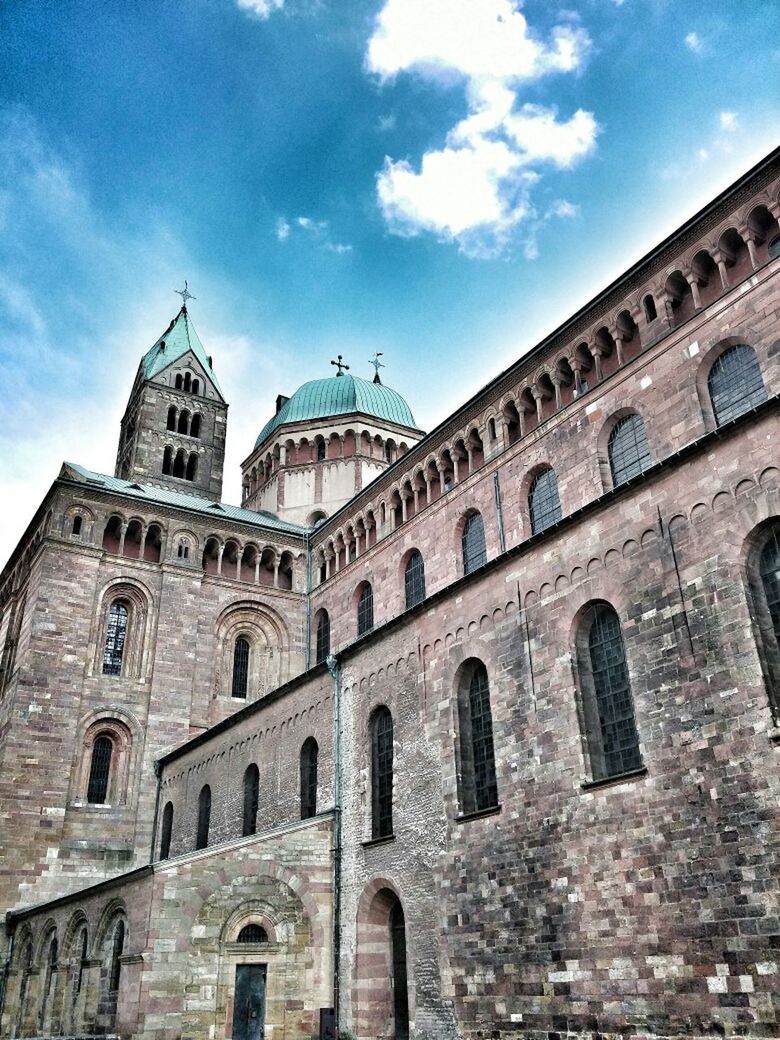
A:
x: 463, y: 735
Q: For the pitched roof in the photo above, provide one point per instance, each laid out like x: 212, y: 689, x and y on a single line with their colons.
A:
x: 190, y: 503
x: 179, y: 338
x: 341, y: 395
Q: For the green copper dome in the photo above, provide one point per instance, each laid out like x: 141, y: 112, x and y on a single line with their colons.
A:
x: 340, y: 395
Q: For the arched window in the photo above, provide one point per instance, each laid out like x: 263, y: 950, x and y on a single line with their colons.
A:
x: 81, y: 947
x: 77, y: 522
x: 769, y: 569
x: 612, y: 736
x: 735, y: 383
x: 252, y: 933
x: 400, y: 980
x: 309, y: 756
x: 629, y: 454
x: 167, y: 464
x: 183, y: 551
x: 321, y: 450
x: 382, y: 774
x: 100, y: 770
x: 365, y: 611
x: 251, y: 800
x: 179, y: 464
x: 414, y: 579
x: 323, y: 637
x: 473, y: 543
x: 117, y: 949
x: 51, y: 964
x: 196, y: 386
x: 179, y: 382
x: 116, y: 630
x: 650, y: 312
x: 187, y: 382
x: 544, y: 503
x: 204, y: 817
x: 240, y: 668
x: 171, y: 423
x: 166, y: 831
x: 478, y: 789
x: 184, y: 421
x: 192, y: 466
x: 195, y: 426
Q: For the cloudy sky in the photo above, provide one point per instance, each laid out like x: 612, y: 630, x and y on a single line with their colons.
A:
x: 441, y: 180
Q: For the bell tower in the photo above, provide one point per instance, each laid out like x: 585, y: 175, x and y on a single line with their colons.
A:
x: 173, y: 430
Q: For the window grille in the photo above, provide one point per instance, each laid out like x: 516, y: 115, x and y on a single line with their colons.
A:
x: 629, y: 454
x: 769, y: 569
x: 619, y: 738
x: 382, y: 774
x: 309, y: 756
x: 544, y: 503
x: 116, y: 630
x: 167, y: 831
x: 415, y: 579
x: 473, y: 541
x: 204, y: 817
x: 323, y: 637
x: 482, y: 753
x: 240, y: 667
x: 117, y: 949
x: 400, y: 981
x: 253, y: 933
x: 99, y: 770
x: 365, y: 613
x: 735, y: 383
x: 251, y: 800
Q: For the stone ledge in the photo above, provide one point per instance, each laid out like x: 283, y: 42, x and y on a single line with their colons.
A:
x: 618, y: 778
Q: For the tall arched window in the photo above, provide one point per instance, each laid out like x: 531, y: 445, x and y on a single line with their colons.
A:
x: 365, y: 611
x: 382, y: 774
x: 240, y: 668
x: 400, y: 979
x: 769, y: 569
x: 322, y: 637
x: 544, y: 503
x: 309, y: 756
x: 116, y: 630
x: 171, y: 423
x: 251, y: 799
x: 629, y: 454
x: 167, y: 463
x: 473, y: 543
x: 611, y: 731
x: 166, y: 831
x: 117, y: 949
x: 48, y: 978
x: 81, y: 948
x: 764, y: 576
x: 414, y: 579
x: 478, y: 789
x: 100, y: 770
x: 192, y: 466
x: 179, y: 464
x: 735, y: 384
x: 77, y: 522
x: 195, y: 426
x: 204, y: 817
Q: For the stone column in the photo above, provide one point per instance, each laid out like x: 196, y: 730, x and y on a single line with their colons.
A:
x: 428, y: 487
x: 557, y: 382
x: 257, y: 568
x: 720, y: 260
x: 239, y: 558
x: 122, y: 533
x: 750, y: 241
x: 615, y: 334
x: 219, y: 559
x: 538, y: 396
x: 403, y: 507
x: 142, y: 548
x: 597, y: 353
x: 693, y: 281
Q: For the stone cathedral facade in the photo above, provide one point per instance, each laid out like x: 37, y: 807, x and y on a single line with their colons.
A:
x: 471, y: 734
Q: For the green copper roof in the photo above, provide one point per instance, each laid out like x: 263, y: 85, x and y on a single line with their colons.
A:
x: 340, y: 395
x: 163, y: 496
x: 178, y: 338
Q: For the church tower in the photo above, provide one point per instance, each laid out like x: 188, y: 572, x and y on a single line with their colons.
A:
x: 173, y: 429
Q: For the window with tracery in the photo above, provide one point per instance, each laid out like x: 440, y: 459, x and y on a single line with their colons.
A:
x: 473, y: 543
x: 544, y: 502
x: 116, y: 631
x: 735, y: 384
x: 365, y: 611
x: 382, y: 774
x: 414, y: 579
x: 629, y: 453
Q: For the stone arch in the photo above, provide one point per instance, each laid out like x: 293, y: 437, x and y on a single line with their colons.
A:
x: 140, y: 605
x: 269, y: 643
x: 374, y: 986
x: 708, y: 360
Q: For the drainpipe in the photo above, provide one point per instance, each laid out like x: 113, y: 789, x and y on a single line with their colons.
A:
x: 307, y: 546
x: 499, y: 513
x: 335, y: 670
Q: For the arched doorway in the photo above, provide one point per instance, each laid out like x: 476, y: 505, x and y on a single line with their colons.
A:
x: 381, y: 1001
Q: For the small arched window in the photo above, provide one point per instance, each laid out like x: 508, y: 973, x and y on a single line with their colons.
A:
x: 321, y: 451
x: 196, y: 386
x: 629, y: 454
x: 166, y: 831
x: 322, y: 648
x: 195, y: 426
x: 117, y: 949
x: 252, y: 933
x: 473, y: 543
x: 240, y: 668
x: 204, y: 817
x: 414, y: 579
x: 179, y: 464
x: 184, y: 421
x: 100, y: 770
x: 77, y: 522
x: 116, y: 631
x: 365, y: 611
x: 183, y: 551
x: 478, y: 789
x: 611, y: 730
x: 179, y: 382
x: 735, y: 384
x: 382, y: 773
x: 544, y: 503
x: 167, y: 463
x: 192, y: 466
x: 309, y: 761
x: 650, y: 312
x: 187, y: 381
x: 251, y: 800
x: 171, y: 423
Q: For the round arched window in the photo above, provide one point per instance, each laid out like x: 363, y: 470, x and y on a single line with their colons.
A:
x: 253, y: 933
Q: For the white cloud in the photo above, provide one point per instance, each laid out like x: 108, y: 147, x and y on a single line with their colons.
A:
x: 261, y: 8
x: 319, y: 230
x: 387, y: 122
x: 564, y: 209
x: 693, y: 42
x: 282, y: 229
x: 476, y: 188
x: 728, y: 121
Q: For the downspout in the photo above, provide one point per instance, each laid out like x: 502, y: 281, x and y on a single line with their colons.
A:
x: 307, y: 639
x: 335, y: 670
x: 499, y: 513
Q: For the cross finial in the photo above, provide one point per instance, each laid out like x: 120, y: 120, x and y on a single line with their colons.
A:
x: 377, y: 365
x: 339, y: 365
x: 185, y: 295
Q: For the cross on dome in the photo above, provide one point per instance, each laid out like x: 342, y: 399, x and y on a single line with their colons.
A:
x: 185, y: 294
x: 339, y: 365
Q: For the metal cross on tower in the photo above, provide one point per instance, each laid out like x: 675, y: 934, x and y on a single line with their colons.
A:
x: 377, y: 365
x: 339, y: 365
x: 185, y: 295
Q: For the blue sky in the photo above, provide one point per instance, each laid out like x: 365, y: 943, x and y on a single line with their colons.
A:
x: 441, y: 180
